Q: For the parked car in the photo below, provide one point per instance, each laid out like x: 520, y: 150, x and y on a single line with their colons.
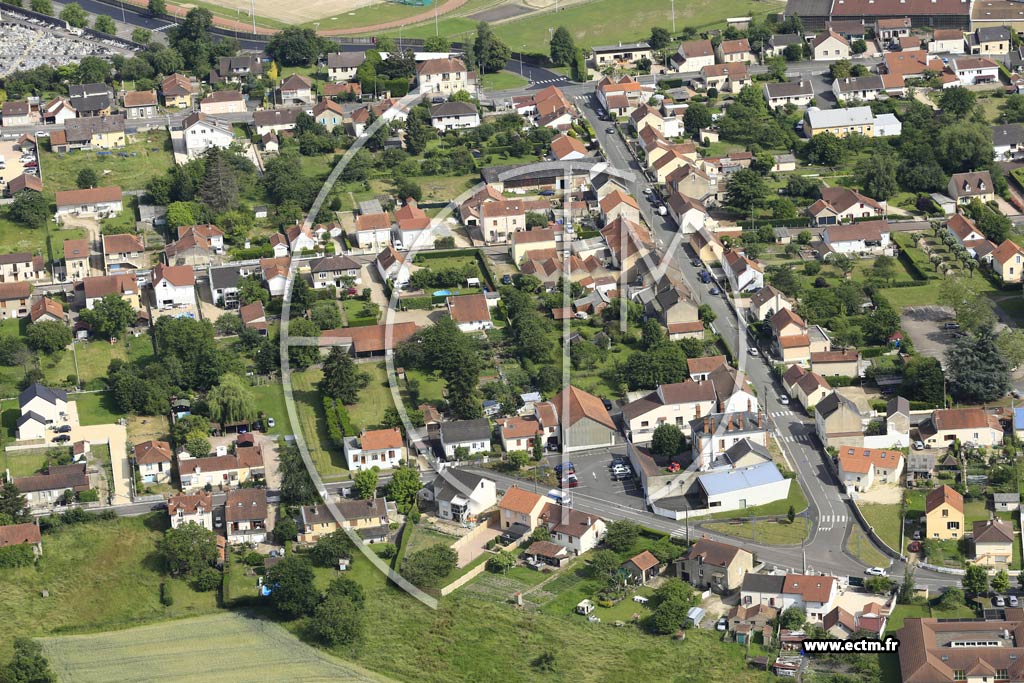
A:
x: 783, y: 399
x: 610, y: 130
x: 715, y: 291
x: 1014, y: 602
x: 999, y: 601
x: 696, y: 263
x: 42, y: 134
x: 62, y: 438
x: 914, y: 546
x: 606, y: 403
x: 753, y: 351
x: 875, y: 571
x: 547, y: 193
x: 159, y: 506
x: 951, y: 326
x: 270, y: 423
x: 565, y: 468
x: 63, y: 429
x: 917, y: 535
x: 918, y: 445
x: 506, y: 279
x: 570, y: 482
x: 722, y: 624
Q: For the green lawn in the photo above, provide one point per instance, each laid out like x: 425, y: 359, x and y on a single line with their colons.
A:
x: 864, y: 550
x: 422, y: 538
x: 132, y: 173
x: 270, y: 399
x: 503, y: 80
x: 93, y: 360
x: 769, y: 533
x: 374, y: 399
x: 329, y: 461
x: 354, y: 312
x: 96, y: 409
x: 885, y: 520
x: 903, y: 612
x: 103, y: 575
x: 23, y: 463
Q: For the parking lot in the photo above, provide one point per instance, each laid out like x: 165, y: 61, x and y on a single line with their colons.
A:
x: 13, y: 165
x: 924, y: 326
x: 595, y: 481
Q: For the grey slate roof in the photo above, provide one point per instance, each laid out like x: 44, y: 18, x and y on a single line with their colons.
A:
x: 225, y: 277
x: 443, y: 490
x: 461, y: 431
x: 763, y: 583
x: 1008, y: 134
x: 46, y: 393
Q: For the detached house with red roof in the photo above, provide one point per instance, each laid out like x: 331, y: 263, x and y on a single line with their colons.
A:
x: 944, y: 514
x: 383, y: 448
x: 197, y: 508
x: 470, y: 312
x: 153, y: 459
x: 1008, y: 262
x: 123, y: 253
x: 174, y: 286
x: 842, y: 205
x: 861, y: 468
x: 816, y: 595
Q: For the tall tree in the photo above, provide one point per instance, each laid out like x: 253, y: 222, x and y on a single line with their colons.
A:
x: 157, y: 7
x: 231, y: 400
x: 957, y: 102
x: 365, y: 483
x: 660, y: 38
x: 219, y: 190
x: 342, y: 379
x: 13, y: 505
x: 667, y: 440
x: 29, y: 208
x: 491, y: 54
x: 303, y: 356
x: 74, y: 15
x: 975, y: 581
x: 292, y: 591
x: 105, y: 24
x: 976, y: 370
x: 563, y: 46
x: 295, y: 46
x: 877, y: 175
x: 110, y: 316
x: 28, y: 664
x: 745, y: 188
x: 188, y: 548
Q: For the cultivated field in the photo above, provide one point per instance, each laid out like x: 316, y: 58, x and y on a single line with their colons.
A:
x: 225, y: 647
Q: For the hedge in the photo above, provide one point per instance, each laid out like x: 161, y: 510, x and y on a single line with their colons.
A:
x: 17, y: 556
x: 339, y: 424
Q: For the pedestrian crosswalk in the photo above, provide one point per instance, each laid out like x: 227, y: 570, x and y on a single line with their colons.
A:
x: 163, y: 28
x: 552, y: 80
x: 781, y: 413
x: 833, y: 519
x: 799, y: 438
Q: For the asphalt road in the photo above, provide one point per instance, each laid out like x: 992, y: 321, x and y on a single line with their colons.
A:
x: 828, y: 509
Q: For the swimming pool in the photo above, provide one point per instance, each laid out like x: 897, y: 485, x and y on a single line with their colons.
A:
x: 442, y: 292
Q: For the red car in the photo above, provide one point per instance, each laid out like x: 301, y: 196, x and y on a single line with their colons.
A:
x: 914, y: 547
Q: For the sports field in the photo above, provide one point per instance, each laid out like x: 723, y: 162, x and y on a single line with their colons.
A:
x: 218, y: 647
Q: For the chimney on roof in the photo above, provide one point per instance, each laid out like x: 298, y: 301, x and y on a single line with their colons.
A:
x: 707, y: 430
x: 728, y: 422
x: 760, y: 420
x: 740, y: 419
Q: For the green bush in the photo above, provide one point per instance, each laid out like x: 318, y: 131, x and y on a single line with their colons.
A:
x: 17, y: 556
x: 253, y: 559
x: 166, y: 599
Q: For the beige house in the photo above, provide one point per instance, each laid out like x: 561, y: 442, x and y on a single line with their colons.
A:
x: 154, y: 460
x: 76, y: 259
x: 718, y: 566
x: 366, y: 517
x: 993, y: 542
x: 21, y: 267
x: 446, y: 76
x: 734, y: 51
x: 498, y: 220
x: 974, y: 425
x: 830, y: 46
x: 1008, y: 261
x: 844, y: 363
x: 519, y: 506
x: 839, y: 420
x: 726, y: 77
x: 14, y: 299
x: 223, y: 102
x: 675, y: 404
x: 123, y: 252
x: 623, y: 55
x: 807, y: 387
x: 709, y: 249
x: 628, y: 242
x: 861, y: 468
x: 944, y: 514
x: 196, y: 508
x: 963, y: 187
x: 618, y: 203
x: 766, y: 302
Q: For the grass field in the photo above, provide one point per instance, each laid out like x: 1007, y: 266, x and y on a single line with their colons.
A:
x: 770, y: 533
x: 861, y: 547
x: 885, y: 520
x: 270, y: 399
x: 329, y: 461
x: 23, y: 463
x: 93, y: 359
x: 503, y: 80
x: 214, y: 647
x: 132, y: 173
x: 96, y: 409
x: 599, y: 22
x: 103, y: 575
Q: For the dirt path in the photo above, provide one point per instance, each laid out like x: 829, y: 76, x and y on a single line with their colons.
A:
x: 222, y: 22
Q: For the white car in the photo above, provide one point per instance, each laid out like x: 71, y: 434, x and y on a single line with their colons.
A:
x: 1000, y: 601
x: 753, y: 351
x: 1014, y: 602
x: 875, y: 571
x: 783, y: 399
x: 270, y: 422
x: 42, y: 134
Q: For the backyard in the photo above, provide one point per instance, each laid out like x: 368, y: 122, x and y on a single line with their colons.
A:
x: 148, y: 156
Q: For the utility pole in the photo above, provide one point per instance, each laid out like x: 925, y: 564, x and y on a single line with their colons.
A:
x: 252, y: 12
x: 436, y: 32
x: 673, y: 17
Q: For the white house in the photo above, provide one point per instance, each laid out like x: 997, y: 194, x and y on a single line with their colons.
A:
x: 196, y: 508
x: 861, y: 468
x: 473, y: 435
x: 300, y: 238
x: 470, y: 312
x: 96, y: 201
x: 445, y: 76
x: 202, y: 132
x: 245, y: 515
x: 974, y: 70
x: 690, y: 215
x: 862, y: 88
x: 342, y: 66
x: 887, y: 125
x: 1008, y: 141
x: 830, y: 46
x: 743, y: 487
x: 744, y: 274
x: 816, y: 595
x: 460, y: 496
x: 858, y: 238
x: 383, y: 448
x: 454, y: 116
x: 574, y: 530
x: 154, y: 460
x: 174, y: 286
x: 40, y: 406
x: 675, y: 404
x: 373, y: 230
x: 715, y: 434
x: 798, y: 93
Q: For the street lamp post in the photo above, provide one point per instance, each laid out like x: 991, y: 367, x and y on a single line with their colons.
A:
x: 252, y: 13
x: 673, y: 16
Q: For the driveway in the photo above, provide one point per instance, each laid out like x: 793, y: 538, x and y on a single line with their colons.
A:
x: 923, y: 324
x: 473, y: 544
x: 116, y: 438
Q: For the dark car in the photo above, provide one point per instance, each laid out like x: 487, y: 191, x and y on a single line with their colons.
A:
x: 951, y: 326
x: 506, y: 279
x: 61, y: 438
x: 610, y: 130
x: 696, y: 263
x: 63, y: 429
x: 607, y: 404
x: 159, y: 506
x: 914, y: 547
x: 547, y: 193
x: 565, y: 468
x: 437, y: 100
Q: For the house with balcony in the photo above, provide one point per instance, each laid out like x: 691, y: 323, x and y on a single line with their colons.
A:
x: 245, y: 516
